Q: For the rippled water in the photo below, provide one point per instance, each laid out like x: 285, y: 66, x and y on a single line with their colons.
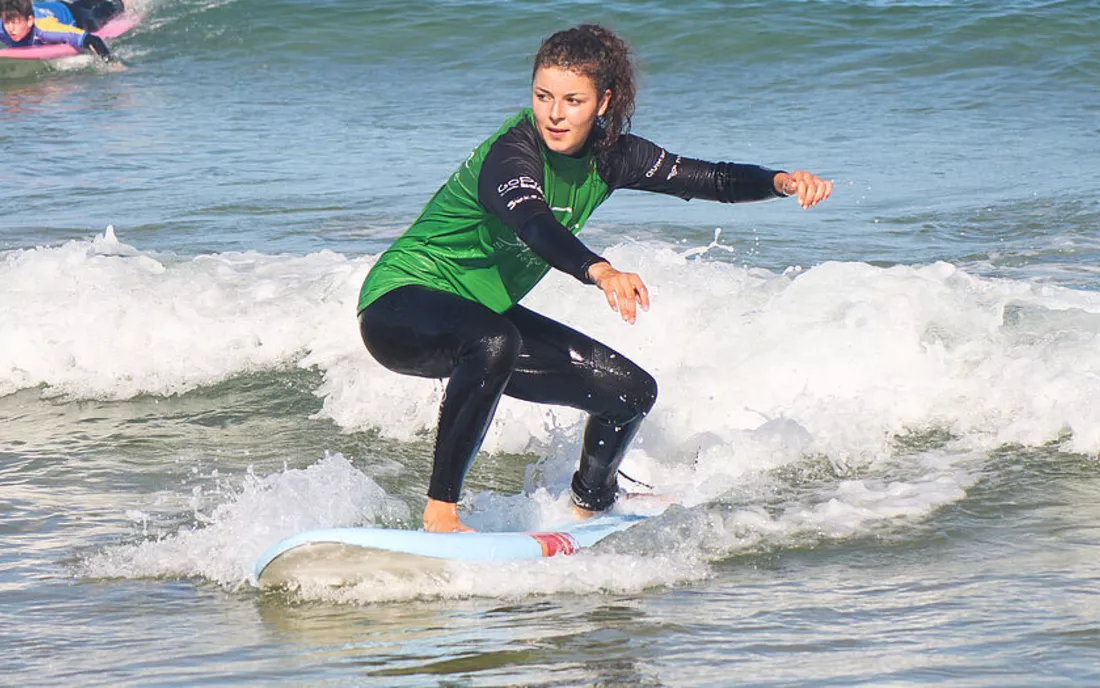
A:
x: 878, y: 418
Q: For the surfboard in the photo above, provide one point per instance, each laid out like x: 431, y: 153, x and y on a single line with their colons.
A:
x: 340, y: 556
x: 112, y: 29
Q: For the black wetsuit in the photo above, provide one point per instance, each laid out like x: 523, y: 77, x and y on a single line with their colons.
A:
x: 91, y: 15
x: 442, y: 301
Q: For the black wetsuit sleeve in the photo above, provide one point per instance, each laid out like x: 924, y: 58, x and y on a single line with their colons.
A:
x: 97, y: 46
x: 637, y: 163
x: 510, y: 187
x: 558, y: 246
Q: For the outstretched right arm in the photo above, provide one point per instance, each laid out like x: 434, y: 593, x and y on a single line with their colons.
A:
x: 643, y: 165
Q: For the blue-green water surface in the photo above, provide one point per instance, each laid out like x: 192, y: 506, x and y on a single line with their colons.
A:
x: 879, y: 418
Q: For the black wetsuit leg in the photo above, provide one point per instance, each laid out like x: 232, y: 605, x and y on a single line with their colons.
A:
x: 91, y: 15
x: 420, y: 331
x: 559, y: 365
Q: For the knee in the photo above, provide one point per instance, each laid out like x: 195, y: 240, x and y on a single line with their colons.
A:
x: 646, y: 392
x: 637, y: 392
x: 640, y: 394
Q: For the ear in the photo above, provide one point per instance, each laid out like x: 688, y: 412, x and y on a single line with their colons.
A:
x: 604, y: 102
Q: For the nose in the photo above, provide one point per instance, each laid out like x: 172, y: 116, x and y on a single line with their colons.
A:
x: 556, y: 111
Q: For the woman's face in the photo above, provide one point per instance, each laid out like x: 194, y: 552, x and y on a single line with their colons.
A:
x: 566, y: 106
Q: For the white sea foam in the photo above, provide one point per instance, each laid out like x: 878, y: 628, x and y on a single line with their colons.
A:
x: 849, y: 352
x: 233, y: 528
x: 757, y: 371
x: 101, y: 319
x: 230, y: 535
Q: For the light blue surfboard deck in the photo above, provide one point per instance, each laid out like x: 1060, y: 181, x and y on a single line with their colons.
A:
x: 339, y: 556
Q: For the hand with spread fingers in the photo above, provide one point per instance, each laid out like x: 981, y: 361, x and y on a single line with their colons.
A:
x: 625, y: 291
x: 809, y: 188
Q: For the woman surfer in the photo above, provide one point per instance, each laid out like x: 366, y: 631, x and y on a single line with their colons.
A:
x: 442, y: 301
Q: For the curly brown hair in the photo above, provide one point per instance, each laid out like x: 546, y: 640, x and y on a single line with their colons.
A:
x: 603, y: 57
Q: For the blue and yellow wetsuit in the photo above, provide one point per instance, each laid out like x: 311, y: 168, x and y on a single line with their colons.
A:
x: 53, y: 23
x: 68, y: 23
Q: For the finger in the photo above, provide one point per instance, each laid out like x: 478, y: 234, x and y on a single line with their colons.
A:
x: 609, y: 294
x: 626, y: 304
x: 798, y: 187
x: 642, y: 294
x: 792, y: 183
x: 628, y: 308
x: 811, y: 193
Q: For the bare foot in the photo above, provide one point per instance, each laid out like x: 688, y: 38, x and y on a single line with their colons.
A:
x: 442, y: 517
x: 582, y: 514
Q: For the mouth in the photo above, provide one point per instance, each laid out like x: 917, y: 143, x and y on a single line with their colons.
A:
x: 556, y: 132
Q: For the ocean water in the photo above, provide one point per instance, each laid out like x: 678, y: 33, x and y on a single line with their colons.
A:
x: 878, y: 419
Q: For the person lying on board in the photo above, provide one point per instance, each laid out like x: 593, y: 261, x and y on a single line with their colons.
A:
x: 442, y: 301
x: 72, y: 23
